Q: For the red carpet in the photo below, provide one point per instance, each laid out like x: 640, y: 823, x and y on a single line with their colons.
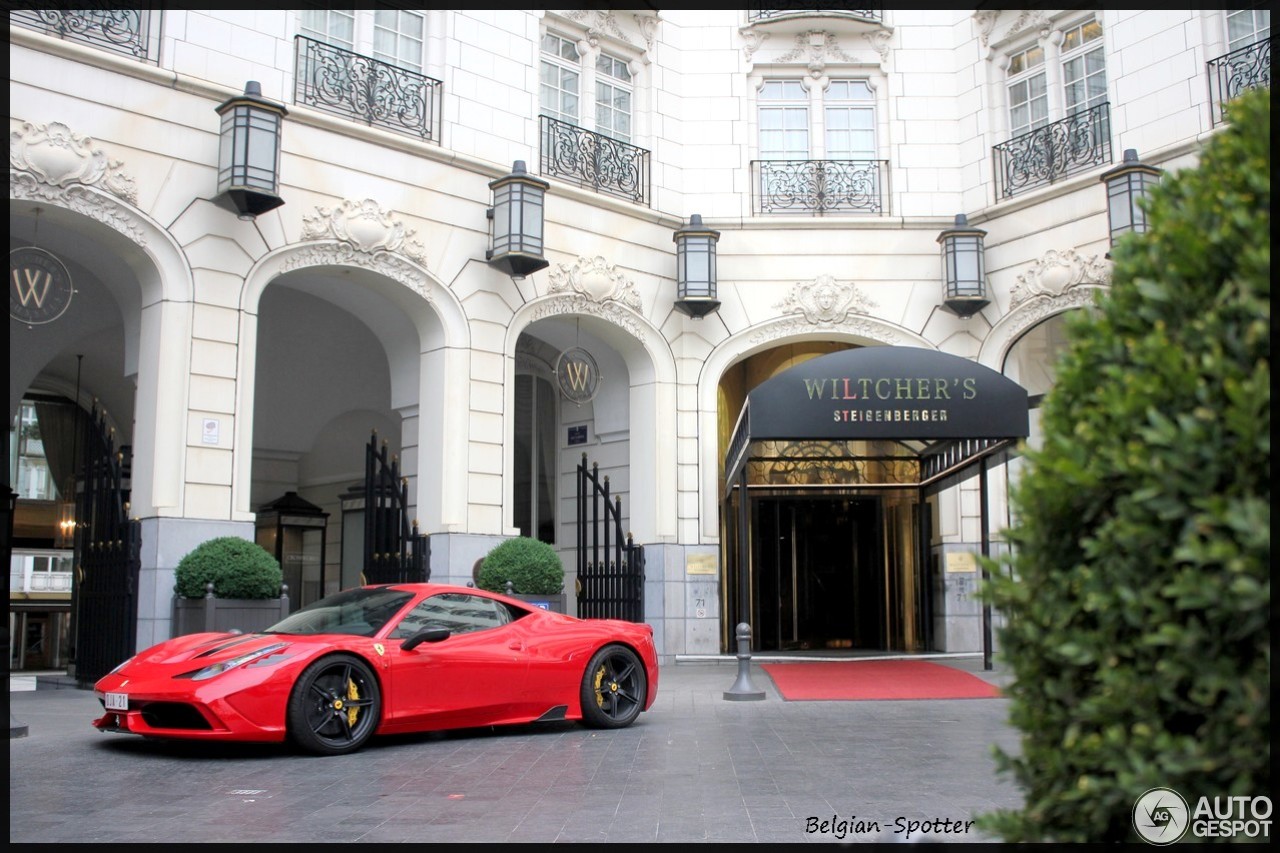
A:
x: 876, y: 679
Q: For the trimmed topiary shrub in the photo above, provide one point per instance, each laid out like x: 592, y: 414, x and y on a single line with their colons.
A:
x: 237, y: 568
x: 532, y: 566
x: 1138, y: 600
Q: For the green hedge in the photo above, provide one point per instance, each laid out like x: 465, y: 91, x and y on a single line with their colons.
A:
x: 1138, y: 595
x: 532, y: 566
x: 237, y: 568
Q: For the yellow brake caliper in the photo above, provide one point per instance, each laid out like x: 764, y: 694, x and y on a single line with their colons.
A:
x: 353, y: 693
x: 599, y: 681
x: 613, y: 687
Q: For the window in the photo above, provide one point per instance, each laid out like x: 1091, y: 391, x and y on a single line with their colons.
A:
x: 533, y: 484
x: 563, y: 72
x: 460, y: 612
x: 1247, y: 26
x: 331, y: 26
x: 1028, y: 91
x: 397, y: 38
x: 784, y: 120
x: 560, y: 78
x: 1084, y: 70
x: 1079, y: 61
x: 43, y: 447
x: 851, y: 120
x: 393, y: 36
x: 613, y: 97
x: 818, y: 147
x: 848, y: 115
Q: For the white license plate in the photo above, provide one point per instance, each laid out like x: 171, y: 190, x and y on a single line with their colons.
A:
x: 117, y: 701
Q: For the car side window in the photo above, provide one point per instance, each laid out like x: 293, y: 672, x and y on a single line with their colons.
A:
x: 460, y: 612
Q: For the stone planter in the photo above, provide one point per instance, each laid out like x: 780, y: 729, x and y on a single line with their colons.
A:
x: 242, y: 615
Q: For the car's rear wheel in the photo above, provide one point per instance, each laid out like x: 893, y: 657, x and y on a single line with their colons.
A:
x: 335, y: 706
x: 613, y: 688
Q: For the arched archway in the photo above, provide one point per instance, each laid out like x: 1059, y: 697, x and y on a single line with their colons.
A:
x: 342, y: 345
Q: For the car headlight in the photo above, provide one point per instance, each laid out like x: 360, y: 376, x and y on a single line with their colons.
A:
x: 242, y: 660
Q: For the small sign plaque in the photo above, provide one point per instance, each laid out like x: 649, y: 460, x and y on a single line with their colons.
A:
x: 961, y: 561
x: 210, y: 431
x: 700, y: 564
x: 577, y: 434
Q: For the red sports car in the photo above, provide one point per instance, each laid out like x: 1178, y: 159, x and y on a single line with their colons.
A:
x: 382, y: 660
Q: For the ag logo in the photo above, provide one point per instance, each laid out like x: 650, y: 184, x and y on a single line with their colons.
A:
x: 1161, y: 816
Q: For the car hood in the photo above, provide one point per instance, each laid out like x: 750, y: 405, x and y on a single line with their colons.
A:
x: 205, y: 649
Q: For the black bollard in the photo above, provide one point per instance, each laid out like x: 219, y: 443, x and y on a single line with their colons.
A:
x: 743, y: 690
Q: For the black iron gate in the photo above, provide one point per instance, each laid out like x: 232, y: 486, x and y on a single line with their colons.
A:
x: 394, y: 550
x: 610, y: 573
x: 108, y: 556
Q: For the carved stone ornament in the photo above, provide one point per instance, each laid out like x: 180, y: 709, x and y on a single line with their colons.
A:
x: 364, y: 226
x: 879, y: 41
x: 824, y: 301
x: 867, y: 328
x: 597, y: 280
x: 987, y: 19
x: 752, y: 39
x: 816, y: 48
x: 596, y: 22
x: 1056, y: 273
x: 570, y: 305
x: 60, y: 158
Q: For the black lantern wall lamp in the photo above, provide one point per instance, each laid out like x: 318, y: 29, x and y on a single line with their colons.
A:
x: 696, y: 268
x: 249, y: 153
x: 964, y: 269
x: 516, y: 218
x: 1127, y: 185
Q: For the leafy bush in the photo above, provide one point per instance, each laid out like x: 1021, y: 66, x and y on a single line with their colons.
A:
x: 532, y: 566
x: 1138, y: 604
x: 237, y: 568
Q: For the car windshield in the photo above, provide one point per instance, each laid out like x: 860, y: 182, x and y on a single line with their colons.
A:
x: 361, y: 612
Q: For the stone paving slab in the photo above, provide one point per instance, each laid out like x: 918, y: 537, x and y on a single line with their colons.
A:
x: 695, y: 768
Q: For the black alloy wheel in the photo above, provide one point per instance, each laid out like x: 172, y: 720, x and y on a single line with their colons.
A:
x: 335, y: 706
x: 613, y: 688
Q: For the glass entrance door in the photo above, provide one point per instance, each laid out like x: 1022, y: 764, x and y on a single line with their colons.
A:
x: 819, y: 574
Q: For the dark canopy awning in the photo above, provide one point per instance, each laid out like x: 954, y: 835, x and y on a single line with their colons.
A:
x: 949, y: 410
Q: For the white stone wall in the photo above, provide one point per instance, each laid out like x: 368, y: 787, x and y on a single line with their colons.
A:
x: 449, y: 322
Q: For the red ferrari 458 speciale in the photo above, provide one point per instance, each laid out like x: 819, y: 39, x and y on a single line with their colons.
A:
x: 385, y: 659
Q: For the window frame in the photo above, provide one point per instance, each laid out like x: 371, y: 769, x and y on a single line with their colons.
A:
x: 364, y: 33
x: 1081, y: 53
x: 598, y: 88
x: 1256, y: 32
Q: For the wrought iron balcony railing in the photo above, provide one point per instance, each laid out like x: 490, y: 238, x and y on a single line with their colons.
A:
x: 132, y: 32
x: 367, y: 90
x: 818, y: 187
x: 594, y: 160
x: 754, y: 15
x: 1238, y: 71
x: 1055, y: 151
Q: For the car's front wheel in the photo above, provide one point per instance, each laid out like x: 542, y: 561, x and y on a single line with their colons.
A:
x: 335, y: 706
x: 613, y: 688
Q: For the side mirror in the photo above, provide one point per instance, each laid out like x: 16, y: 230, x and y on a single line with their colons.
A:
x: 426, y: 635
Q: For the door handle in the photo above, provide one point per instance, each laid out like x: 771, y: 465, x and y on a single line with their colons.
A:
x: 515, y: 645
